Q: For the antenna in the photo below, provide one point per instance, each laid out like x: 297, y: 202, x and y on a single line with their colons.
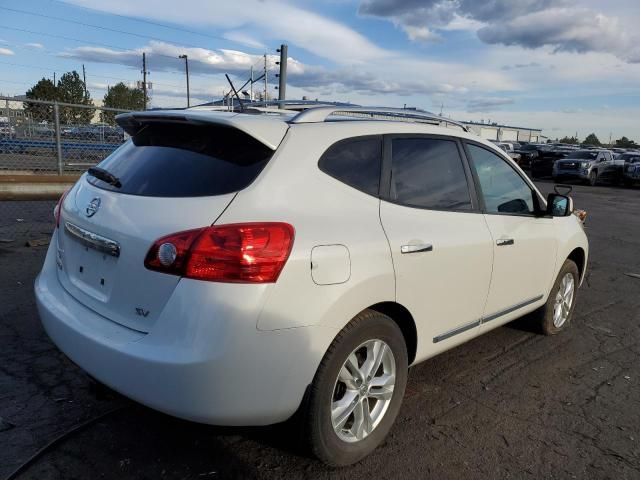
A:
x: 235, y: 92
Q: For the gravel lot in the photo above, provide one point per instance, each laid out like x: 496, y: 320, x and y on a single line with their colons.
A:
x: 509, y: 404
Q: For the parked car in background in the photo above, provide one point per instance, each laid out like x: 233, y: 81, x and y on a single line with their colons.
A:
x: 631, y: 168
x: 96, y: 132
x: 7, y: 131
x: 210, y: 268
x: 542, y: 165
x: 527, y: 153
x: 510, y: 150
x: 588, y: 166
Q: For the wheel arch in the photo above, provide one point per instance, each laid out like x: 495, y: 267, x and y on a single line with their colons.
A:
x: 403, y: 318
x: 578, y: 256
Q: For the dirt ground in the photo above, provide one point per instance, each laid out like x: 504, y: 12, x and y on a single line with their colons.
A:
x: 509, y: 404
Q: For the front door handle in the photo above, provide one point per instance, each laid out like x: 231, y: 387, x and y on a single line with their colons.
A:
x: 423, y: 247
x: 501, y: 242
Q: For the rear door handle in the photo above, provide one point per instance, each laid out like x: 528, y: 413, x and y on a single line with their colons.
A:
x: 423, y: 247
x: 502, y: 242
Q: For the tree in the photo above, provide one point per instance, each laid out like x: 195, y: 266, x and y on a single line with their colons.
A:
x: 624, y: 142
x: 570, y: 140
x: 121, y: 96
x: 592, y: 140
x: 43, y: 90
x: 71, y: 89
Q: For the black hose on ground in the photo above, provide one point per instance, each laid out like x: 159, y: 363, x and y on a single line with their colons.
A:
x: 22, y: 467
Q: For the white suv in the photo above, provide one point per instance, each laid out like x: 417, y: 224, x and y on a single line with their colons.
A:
x: 234, y: 269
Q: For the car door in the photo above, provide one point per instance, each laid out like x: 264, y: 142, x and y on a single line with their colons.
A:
x: 524, y: 243
x: 440, y: 244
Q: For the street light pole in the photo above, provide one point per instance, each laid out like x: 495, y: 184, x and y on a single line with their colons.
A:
x: 186, y: 69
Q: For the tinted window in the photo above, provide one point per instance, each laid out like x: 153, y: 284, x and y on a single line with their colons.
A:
x: 428, y: 173
x: 584, y: 155
x: 185, y: 160
x: 356, y: 162
x: 504, y: 191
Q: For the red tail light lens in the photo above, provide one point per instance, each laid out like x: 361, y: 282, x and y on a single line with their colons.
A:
x: 239, y: 253
x: 58, y: 208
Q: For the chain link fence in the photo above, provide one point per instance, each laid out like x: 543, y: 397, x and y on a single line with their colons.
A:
x: 43, y: 140
x: 41, y: 137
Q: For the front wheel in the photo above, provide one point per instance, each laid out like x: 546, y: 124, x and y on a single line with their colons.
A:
x: 357, y: 391
x: 593, y: 178
x: 556, y: 314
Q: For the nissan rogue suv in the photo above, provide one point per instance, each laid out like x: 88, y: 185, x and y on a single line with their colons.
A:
x: 237, y: 268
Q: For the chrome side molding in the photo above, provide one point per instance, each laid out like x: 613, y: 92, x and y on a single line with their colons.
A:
x: 477, y: 323
x: 93, y: 240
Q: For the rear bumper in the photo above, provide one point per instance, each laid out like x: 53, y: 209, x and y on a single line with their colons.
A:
x: 203, y: 360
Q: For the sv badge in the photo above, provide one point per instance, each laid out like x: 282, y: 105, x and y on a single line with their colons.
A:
x: 142, y: 312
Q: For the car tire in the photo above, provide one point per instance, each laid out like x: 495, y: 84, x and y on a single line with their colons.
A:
x: 593, y: 178
x: 333, y: 445
x: 551, y: 322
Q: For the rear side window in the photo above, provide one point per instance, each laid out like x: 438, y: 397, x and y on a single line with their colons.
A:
x: 428, y: 173
x: 356, y: 162
x: 185, y: 160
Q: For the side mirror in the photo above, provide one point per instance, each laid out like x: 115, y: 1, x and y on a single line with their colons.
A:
x: 559, y: 205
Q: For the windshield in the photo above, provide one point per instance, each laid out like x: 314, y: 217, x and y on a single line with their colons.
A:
x: 631, y: 157
x: 529, y: 147
x: 583, y: 155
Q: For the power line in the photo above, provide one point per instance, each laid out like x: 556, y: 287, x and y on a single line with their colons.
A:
x: 101, y: 77
x: 124, y: 49
x: 76, y: 22
x: 149, y: 22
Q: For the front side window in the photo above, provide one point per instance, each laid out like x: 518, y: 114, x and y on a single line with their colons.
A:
x: 428, y: 173
x: 504, y: 191
x: 356, y: 162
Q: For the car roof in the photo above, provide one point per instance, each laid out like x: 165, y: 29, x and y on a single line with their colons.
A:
x: 269, y: 125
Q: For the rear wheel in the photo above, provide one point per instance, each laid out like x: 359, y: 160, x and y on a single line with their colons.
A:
x: 357, y: 391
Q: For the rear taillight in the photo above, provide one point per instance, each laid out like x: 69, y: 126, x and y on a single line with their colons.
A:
x: 58, y: 208
x: 239, y: 253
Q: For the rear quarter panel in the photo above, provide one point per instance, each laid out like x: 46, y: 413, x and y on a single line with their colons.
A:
x: 323, y: 211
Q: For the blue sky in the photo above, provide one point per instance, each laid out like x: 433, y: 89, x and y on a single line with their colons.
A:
x: 565, y: 66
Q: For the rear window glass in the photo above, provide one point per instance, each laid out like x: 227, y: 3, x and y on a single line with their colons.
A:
x: 185, y: 160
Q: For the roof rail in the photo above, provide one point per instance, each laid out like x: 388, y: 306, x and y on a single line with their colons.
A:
x: 310, y: 103
x: 320, y: 114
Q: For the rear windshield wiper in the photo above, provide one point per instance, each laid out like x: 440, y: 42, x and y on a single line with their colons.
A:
x: 102, y: 174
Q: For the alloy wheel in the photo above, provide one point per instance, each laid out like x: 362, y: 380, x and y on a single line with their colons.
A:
x: 363, y: 390
x: 564, y: 300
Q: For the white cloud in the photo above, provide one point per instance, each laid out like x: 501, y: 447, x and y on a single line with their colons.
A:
x: 317, y: 34
x: 422, y: 34
x: 563, y: 25
x: 401, y: 76
x: 488, y: 104
x: 245, y: 39
x: 6, y: 51
x: 34, y: 45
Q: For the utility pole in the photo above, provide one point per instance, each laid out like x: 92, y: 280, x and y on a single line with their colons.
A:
x: 282, y: 86
x: 266, y: 85
x: 251, y: 85
x: 144, y: 79
x: 186, y: 69
x: 54, y: 79
x: 84, y: 79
